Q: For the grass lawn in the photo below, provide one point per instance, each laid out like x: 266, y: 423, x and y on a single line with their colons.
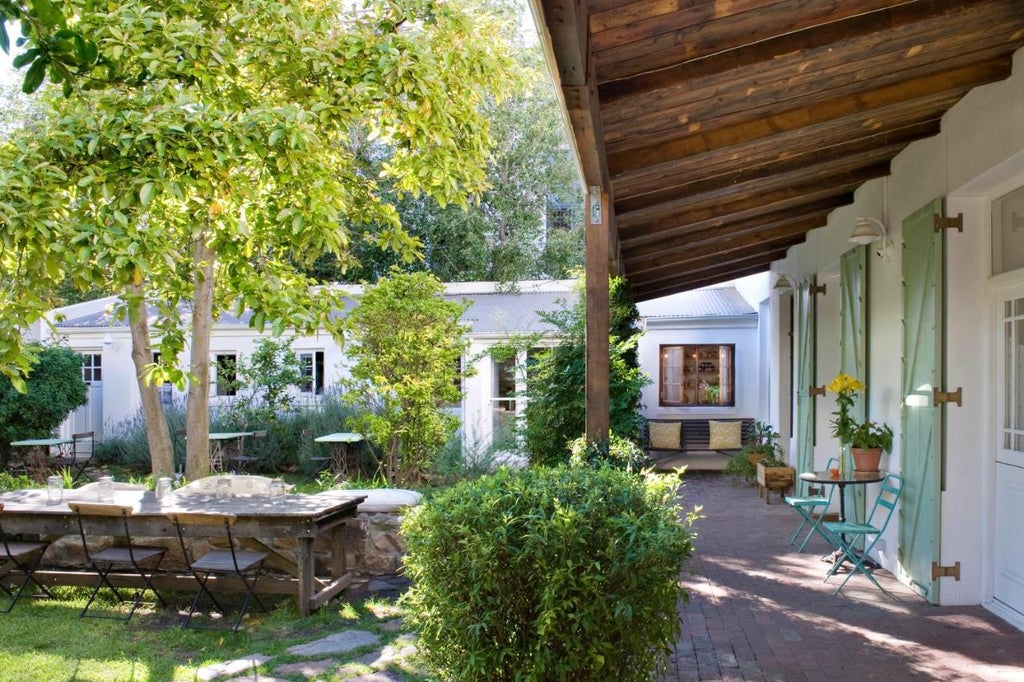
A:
x: 45, y: 640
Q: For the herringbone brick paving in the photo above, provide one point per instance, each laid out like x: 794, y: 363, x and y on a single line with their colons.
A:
x: 758, y: 610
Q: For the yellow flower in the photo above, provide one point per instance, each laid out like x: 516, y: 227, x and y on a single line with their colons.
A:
x: 844, y: 384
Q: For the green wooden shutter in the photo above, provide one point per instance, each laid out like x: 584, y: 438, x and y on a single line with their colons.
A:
x: 921, y: 428
x: 805, y: 377
x: 853, y: 339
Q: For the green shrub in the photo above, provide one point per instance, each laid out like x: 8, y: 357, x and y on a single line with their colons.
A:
x: 548, y: 574
x: 616, y: 452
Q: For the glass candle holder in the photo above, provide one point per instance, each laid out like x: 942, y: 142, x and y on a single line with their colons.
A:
x: 105, y: 489
x: 223, y: 488
x: 163, y: 488
x: 55, y: 489
x: 277, y: 488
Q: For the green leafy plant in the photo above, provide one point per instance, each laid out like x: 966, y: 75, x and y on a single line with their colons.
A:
x: 616, y: 452
x: 563, y: 573
x: 556, y: 385
x: 872, y: 435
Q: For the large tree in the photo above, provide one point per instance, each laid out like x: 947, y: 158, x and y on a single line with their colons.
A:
x: 527, y: 224
x: 198, y: 186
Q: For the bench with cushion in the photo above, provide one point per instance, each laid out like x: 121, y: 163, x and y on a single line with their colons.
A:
x: 722, y: 436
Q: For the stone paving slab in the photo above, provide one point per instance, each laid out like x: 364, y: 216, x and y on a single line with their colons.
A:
x: 337, y: 643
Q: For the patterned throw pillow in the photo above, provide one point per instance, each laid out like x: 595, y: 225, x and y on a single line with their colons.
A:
x: 665, y: 435
x: 725, y: 435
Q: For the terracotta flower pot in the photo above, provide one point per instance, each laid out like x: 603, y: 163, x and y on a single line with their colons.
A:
x: 866, y: 460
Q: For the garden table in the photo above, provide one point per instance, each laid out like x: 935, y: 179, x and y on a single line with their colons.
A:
x: 340, y: 460
x: 43, y: 454
x: 224, y: 444
x: 849, y: 478
x: 262, y: 518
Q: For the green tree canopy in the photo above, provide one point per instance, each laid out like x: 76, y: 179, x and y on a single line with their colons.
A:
x: 199, y: 180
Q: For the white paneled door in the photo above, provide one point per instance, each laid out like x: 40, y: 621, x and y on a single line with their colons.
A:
x: 1008, y: 587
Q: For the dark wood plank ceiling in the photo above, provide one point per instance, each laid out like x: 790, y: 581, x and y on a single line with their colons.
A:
x: 726, y: 130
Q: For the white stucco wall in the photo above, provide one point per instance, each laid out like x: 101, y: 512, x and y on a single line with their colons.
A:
x: 978, y: 156
x: 743, y: 332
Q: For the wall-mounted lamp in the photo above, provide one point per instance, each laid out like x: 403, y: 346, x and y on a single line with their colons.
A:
x: 108, y: 340
x: 866, y: 233
x: 783, y: 283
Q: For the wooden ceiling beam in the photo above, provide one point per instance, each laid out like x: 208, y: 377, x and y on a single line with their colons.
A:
x: 778, y: 147
x: 773, y: 188
x: 689, y: 284
x: 670, y: 39
x: 695, y: 279
x: 933, y: 90
x: 686, y: 241
x: 846, y: 155
x: 794, y: 85
x: 727, y: 248
x: 861, y: 35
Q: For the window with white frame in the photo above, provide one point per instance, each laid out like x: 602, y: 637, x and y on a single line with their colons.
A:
x: 697, y: 375
x: 92, y: 367
x: 225, y: 366
x: 311, y: 365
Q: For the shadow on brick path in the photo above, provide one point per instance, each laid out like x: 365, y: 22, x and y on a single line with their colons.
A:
x: 759, y: 610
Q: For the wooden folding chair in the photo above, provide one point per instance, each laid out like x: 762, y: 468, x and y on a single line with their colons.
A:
x: 117, y: 556
x: 849, y: 533
x: 232, y: 562
x: 806, y: 505
x: 19, y: 558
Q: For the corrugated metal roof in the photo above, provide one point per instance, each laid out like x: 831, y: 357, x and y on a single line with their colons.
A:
x: 708, y: 302
x: 489, y: 312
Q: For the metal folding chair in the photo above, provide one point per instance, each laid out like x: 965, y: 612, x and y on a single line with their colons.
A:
x: 81, y: 454
x: 805, y: 506
x: 117, y: 556
x: 19, y: 558
x: 850, y: 533
x: 241, y: 460
x: 245, y: 565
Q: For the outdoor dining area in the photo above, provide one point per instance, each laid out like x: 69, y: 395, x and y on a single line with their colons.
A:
x: 224, y: 534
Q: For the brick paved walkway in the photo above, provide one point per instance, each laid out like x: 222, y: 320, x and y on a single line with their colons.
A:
x: 759, y: 611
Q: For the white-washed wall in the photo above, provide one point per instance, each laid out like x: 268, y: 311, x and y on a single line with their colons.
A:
x: 978, y: 156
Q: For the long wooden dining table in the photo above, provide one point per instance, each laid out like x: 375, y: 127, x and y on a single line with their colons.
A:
x: 262, y: 518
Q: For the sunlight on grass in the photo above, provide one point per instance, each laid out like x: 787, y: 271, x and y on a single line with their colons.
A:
x: 46, y: 641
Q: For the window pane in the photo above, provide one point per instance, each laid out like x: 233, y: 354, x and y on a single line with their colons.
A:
x: 1008, y: 233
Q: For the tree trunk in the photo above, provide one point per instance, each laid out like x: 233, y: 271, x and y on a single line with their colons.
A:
x: 197, y: 409
x: 161, y: 451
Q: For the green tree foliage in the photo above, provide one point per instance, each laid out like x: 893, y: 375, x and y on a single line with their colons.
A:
x: 226, y: 162
x: 548, y: 574
x: 556, y: 411
x: 406, y: 343
x: 266, y: 382
x: 504, y: 235
x: 53, y: 389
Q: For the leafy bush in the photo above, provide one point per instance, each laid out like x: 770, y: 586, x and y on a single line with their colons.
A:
x: 548, y: 574
x: 53, y: 389
x: 616, y: 452
x: 556, y: 411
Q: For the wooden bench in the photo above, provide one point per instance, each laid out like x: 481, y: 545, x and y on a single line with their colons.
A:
x: 695, y: 436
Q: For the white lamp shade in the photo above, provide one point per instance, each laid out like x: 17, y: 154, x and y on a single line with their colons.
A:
x: 864, y: 233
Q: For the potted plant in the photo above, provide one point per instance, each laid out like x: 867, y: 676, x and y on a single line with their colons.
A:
x: 771, y: 471
x: 867, y: 442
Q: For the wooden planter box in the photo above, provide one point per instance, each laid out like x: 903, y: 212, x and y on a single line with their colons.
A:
x: 780, y: 479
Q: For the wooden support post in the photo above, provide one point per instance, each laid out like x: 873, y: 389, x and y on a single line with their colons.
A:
x: 597, y: 314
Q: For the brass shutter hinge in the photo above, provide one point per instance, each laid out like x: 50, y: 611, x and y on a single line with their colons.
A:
x: 815, y: 390
x: 946, y: 571
x: 817, y: 289
x: 943, y: 223
x: 939, y: 397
